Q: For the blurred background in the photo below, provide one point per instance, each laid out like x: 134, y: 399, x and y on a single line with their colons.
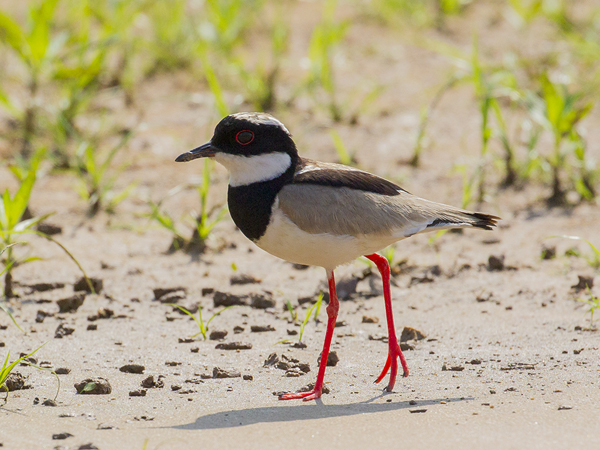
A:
x: 487, y: 104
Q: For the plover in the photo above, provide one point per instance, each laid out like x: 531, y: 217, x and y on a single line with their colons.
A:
x: 321, y: 214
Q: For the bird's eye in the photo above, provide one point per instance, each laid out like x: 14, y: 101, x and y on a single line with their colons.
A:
x: 244, y: 137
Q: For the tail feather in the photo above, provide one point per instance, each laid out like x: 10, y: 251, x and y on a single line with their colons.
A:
x: 466, y: 219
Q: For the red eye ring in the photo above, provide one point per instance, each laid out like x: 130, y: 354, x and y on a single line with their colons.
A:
x: 237, y: 137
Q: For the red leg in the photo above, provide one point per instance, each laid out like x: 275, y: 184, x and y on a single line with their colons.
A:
x: 332, y: 311
x: 394, y: 348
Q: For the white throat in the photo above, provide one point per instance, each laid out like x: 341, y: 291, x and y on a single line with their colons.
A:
x: 245, y: 170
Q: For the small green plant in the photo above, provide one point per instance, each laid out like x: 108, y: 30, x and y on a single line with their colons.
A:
x: 201, y: 325
x: 426, y: 113
x: 593, y: 260
x: 37, y: 50
x: 559, y: 111
x: 316, y: 308
x: 292, y: 311
x: 594, y: 304
x: 8, y: 368
x: 327, y: 34
x: 3, y: 307
x: 345, y: 157
x: 203, y: 222
x: 12, y: 225
x: 97, y: 177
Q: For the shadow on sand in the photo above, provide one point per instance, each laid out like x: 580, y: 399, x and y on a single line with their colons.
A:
x: 309, y: 411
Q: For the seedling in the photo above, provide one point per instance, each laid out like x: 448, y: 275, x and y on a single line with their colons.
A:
x: 37, y: 50
x: 559, y: 111
x: 426, y: 113
x: 8, y: 368
x: 202, y: 222
x: 327, y: 34
x: 593, y: 260
x: 594, y: 304
x: 201, y: 325
x: 97, y: 177
x: 12, y: 226
x: 316, y: 308
x: 344, y: 156
x: 4, y: 307
x: 292, y: 311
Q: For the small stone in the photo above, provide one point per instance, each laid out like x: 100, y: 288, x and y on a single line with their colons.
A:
x: 94, y: 386
x: 92, y: 327
x: 49, y: 402
x: 195, y: 349
x: 420, y: 280
x: 106, y: 426
x: 63, y: 330
x: 475, y: 361
x: 248, y: 377
x: 207, y: 291
x: 564, y: 407
x: 495, y: 263
x: 282, y: 365
x: 370, y: 319
x: 169, y: 295
x: 243, y: 278
x: 70, y: 304
x: 233, y: 346
x: 222, y: 373
x: 88, y: 446
x: 262, y: 301
x: 60, y: 436
x: 417, y: 411
x: 15, y: 382
x: 149, y: 382
x: 412, y: 402
x: 41, y: 315
x: 161, y: 292
x: 583, y: 283
x: 132, y: 368
x: 138, y: 393
x: 226, y: 299
x: 49, y: 228
x: 83, y: 285
x: 271, y: 360
x: 172, y: 363
x: 175, y: 387
x: 409, y: 334
x: 293, y: 372
x: 457, y: 368
x: 548, y: 252
x: 217, y: 335
x: 238, y: 329
x: 311, y: 386
x: 332, y: 359
x: 186, y: 340
x: 261, y: 328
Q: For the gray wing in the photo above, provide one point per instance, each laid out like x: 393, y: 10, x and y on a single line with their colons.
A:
x: 345, y: 211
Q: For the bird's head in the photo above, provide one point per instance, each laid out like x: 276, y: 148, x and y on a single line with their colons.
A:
x: 252, y: 146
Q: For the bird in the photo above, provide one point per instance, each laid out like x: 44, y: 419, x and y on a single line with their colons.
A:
x: 320, y: 214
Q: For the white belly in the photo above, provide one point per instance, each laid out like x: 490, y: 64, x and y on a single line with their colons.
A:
x: 286, y: 241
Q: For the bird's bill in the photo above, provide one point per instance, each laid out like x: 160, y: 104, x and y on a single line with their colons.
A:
x: 199, y: 152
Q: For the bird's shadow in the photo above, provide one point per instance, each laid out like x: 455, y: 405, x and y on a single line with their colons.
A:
x: 308, y: 411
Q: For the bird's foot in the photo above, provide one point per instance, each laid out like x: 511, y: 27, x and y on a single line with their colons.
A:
x: 313, y: 394
x: 394, y: 354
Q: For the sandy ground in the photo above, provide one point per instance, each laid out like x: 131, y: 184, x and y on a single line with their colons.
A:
x: 507, y: 362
